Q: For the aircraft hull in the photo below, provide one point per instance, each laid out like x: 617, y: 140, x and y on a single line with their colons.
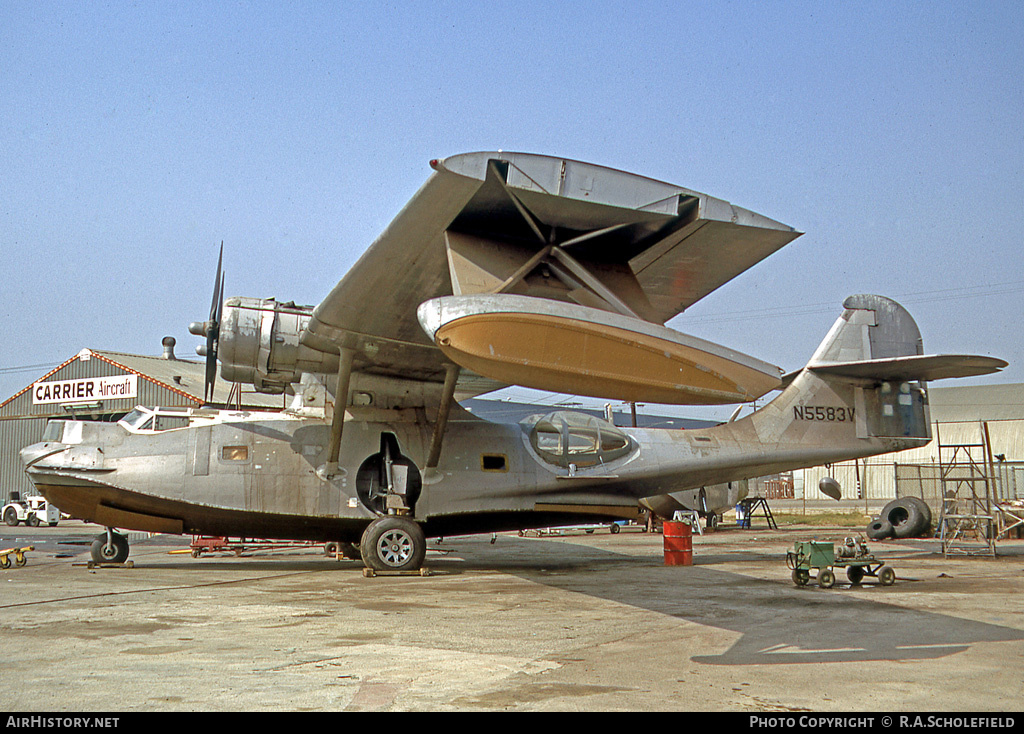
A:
x: 264, y: 478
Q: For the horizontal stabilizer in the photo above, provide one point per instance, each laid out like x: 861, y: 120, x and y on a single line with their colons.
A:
x: 913, y: 367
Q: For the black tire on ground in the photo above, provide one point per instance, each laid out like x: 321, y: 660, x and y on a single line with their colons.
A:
x: 800, y: 578
x: 393, y: 544
x: 926, y: 511
x: 116, y: 552
x: 906, y: 518
x: 879, y: 529
x: 855, y: 574
x: 11, y: 517
x: 32, y: 521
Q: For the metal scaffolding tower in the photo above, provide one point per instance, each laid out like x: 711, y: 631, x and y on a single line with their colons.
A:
x: 967, y: 520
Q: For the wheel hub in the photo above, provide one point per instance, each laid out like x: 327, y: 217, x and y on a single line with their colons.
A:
x: 395, y: 547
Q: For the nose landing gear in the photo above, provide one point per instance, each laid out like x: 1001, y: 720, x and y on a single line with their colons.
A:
x: 109, y: 547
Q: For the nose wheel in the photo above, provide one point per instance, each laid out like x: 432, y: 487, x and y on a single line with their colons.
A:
x: 393, y: 543
x: 109, y: 547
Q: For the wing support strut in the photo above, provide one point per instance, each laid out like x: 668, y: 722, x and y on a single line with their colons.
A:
x: 451, y: 377
x: 575, y: 267
x: 552, y: 248
x: 340, y: 403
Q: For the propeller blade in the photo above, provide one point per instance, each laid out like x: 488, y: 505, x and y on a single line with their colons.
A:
x: 217, y: 281
x: 212, y: 328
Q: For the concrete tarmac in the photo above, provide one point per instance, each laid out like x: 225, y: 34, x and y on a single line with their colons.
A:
x: 577, y: 622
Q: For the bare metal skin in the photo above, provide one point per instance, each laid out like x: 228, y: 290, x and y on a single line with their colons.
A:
x: 375, y: 448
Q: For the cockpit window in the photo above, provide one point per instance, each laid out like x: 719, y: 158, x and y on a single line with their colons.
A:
x: 158, y: 419
x: 136, y: 419
x: 564, y: 437
x: 167, y: 422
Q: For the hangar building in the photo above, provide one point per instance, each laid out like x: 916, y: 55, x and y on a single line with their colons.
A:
x: 101, y: 385
x: 985, y: 415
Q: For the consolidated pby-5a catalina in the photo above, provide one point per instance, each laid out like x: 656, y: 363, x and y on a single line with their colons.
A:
x: 503, y: 269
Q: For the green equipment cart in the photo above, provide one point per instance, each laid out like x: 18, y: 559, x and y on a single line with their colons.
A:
x: 824, y: 558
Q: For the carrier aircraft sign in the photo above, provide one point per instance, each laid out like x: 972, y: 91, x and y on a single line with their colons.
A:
x: 87, y: 389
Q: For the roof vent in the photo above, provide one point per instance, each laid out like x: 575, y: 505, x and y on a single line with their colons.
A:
x: 169, y: 343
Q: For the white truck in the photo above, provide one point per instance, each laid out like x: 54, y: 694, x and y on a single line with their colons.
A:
x: 31, y: 511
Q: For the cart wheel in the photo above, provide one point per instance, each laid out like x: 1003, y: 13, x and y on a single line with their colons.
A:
x: 855, y: 574
x: 886, y: 576
x: 826, y: 578
x: 19, y: 559
x: 800, y: 578
x: 5, y: 562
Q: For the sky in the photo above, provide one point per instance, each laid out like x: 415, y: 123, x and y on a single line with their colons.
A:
x: 136, y: 137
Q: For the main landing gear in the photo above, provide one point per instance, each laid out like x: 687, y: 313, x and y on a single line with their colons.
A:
x: 393, y: 543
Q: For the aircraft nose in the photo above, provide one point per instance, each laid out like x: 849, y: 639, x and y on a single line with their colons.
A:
x: 32, y: 455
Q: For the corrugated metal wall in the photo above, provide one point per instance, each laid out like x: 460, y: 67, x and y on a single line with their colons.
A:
x: 878, y: 473
x: 15, y: 435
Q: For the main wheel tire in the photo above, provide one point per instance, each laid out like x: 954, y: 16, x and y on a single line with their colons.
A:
x: 114, y: 552
x: 11, y: 517
x: 855, y: 574
x: 393, y: 544
x: 826, y: 579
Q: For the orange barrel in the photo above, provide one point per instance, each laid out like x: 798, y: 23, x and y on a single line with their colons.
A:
x: 678, y: 538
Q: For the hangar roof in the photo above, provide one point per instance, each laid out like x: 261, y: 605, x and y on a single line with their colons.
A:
x: 164, y: 381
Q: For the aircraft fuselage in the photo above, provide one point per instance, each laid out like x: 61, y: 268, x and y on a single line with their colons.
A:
x: 263, y: 475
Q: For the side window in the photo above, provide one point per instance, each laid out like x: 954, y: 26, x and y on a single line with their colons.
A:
x: 494, y: 462
x: 234, y: 453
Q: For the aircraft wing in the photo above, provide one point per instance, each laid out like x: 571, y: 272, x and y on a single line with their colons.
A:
x: 537, y: 226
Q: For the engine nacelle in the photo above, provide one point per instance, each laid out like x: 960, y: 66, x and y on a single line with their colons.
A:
x: 259, y: 344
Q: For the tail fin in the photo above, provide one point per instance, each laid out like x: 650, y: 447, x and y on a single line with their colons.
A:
x: 870, y: 371
x: 876, y: 338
